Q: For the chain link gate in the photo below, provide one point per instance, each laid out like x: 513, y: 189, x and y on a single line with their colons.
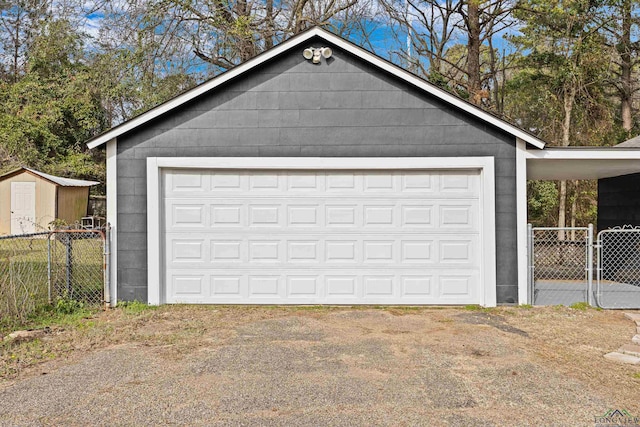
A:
x: 618, y: 271
x: 41, y: 268
x: 76, y: 266
x: 560, y: 265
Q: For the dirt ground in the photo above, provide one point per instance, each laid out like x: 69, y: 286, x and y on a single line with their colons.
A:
x: 203, y: 365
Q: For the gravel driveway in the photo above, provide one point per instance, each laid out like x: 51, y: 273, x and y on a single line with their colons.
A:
x: 340, y: 367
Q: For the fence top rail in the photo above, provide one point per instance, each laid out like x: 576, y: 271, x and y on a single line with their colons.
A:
x: 18, y: 236
x: 78, y: 230
x: 620, y: 230
x: 559, y: 228
x: 52, y: 232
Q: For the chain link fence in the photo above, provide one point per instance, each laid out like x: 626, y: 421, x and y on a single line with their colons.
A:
x: 41, y: 268
x: 618, y: 275
x: 560, y: 265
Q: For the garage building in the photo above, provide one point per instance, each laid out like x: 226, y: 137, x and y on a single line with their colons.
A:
x: 348, y: 181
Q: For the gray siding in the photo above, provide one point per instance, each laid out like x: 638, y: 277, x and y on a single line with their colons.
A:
x: 289, y: 108
x: 619, y: 201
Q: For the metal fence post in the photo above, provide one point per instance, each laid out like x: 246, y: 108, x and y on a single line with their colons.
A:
x: 69, y: 255
x: 590, y: 264
x: 49, y: 267
x: 107, y: 265
x: 598, y: 267
x: 530, y: 264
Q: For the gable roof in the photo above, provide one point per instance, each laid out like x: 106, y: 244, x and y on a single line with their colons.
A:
x: 57, y: 180
x: 296, y: 41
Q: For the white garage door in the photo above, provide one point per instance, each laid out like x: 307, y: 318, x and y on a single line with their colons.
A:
x: 322, y: 237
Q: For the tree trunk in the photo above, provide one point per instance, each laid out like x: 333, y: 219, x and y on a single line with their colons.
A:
x: 569, y: 98
x: 626, y: 65
x: 473, y: 51
x: 268, y: 37
x: 574, y: 209
x: 493, y: 69
x: 299, y: 23
x: 562, y: 209
x: 16, y: 52
x: 246, y: 44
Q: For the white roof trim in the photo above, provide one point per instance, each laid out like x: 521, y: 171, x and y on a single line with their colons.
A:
x: 589, y: 153
x: 292, y: 42
x: 581, y: 163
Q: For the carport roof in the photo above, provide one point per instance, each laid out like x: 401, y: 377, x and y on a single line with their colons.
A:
x: 564, y: 163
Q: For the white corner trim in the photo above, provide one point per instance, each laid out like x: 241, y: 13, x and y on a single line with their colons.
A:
x: 343, y: 44
x: 154, y: 248
x: 156, y: 165
x: 521, y: 221
x: 488, y: 233
x: 112, y: 216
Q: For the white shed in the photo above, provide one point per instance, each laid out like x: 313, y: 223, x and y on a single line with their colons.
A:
x: 30, y: 200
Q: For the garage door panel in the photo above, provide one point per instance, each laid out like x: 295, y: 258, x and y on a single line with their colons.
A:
x: 309, y: 250
x: 191, y: 251
x: 265, y: 286
x: 339, y: 286
x: 225, y: 215
x: 456, y: 252
x: 226, y: 287
x: 265, y: 251
x: 403, y: 215
x: 459, y: 216
x: 339, y: 215
x: 227, y: 251
x: 418, y: 285
x: 290, y: 286
x: 460, y: 184
x: 266, y: 215
x: 417, y: 215
x: 342, y: 181
x: 314, y: 237
x: 225, y: 181
x: 265, y: 181
x: 304, y: 252
x: 421, y: 181
x: 456, y: 286
x: 342, y: 251
x: 303, y: 182
x: 444, y: 184
x: 187, y: 182
x: 304, y: 215
x: 187, y: 215
x: 303, y: 286
x: 416, y: 251
x: 185, y: 286
x: 379, y: 216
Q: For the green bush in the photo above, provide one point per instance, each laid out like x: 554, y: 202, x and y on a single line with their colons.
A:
x: 68, y: 306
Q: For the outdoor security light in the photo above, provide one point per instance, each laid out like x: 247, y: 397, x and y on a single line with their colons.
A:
x: 308, y: 53
x: 316, y: 53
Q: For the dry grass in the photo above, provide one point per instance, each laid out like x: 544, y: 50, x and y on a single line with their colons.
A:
x: 506, y: 358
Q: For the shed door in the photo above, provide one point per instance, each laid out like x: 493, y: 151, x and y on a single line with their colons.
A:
x: 322, y: 237
x: 23, y: 207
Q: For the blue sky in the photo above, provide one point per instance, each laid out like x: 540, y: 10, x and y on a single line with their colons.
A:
x: 383, y: 40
